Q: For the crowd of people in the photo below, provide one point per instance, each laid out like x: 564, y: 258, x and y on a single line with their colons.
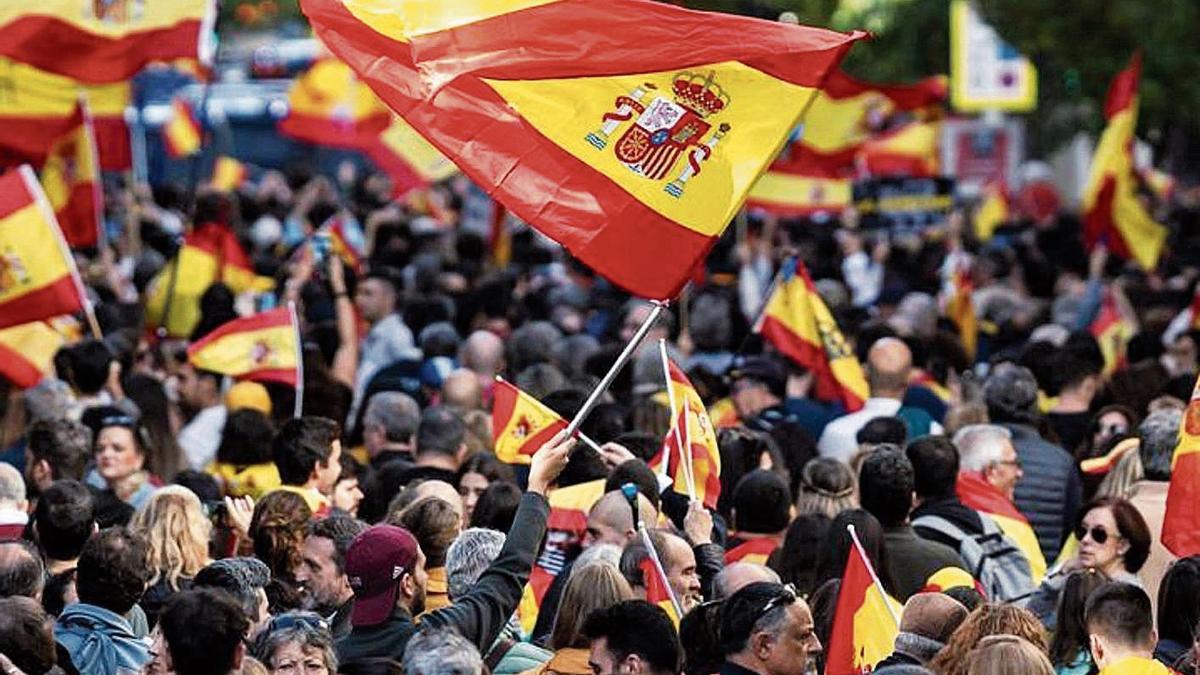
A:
x: 157, y: 517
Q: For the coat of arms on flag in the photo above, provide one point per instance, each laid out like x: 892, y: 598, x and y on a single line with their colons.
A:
x: 666, y: 128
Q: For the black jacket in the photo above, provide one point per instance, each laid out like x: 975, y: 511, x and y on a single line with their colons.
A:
x: 1051, y: 490
x: 966, y: 518
x: 482, y: 613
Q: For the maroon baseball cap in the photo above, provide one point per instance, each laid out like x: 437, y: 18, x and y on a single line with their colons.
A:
x: 375, y: 561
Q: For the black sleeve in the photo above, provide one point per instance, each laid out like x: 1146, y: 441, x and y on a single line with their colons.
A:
x: 710, y: 560
x: 482, y: 613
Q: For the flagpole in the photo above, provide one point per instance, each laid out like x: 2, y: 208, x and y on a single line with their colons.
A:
x: 582, y: 437
x: 298, y: 409
x: 623, y: 358
x: 658, y: 567
x: 662, y: 352
x: 871, y: 570
x: 681, y: 439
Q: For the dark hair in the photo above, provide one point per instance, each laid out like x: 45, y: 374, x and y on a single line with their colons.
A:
x: 1130, y: 525
x: 339, y: 528
x: 700, y: 633
x: 497, y: 507
x: 636, y: 627
x: 64, y: 519
x: 148, y: 394
x: 643, y: 445
x: 935, y: 466
x: 1079, y: 358
x: 300, y: 445
x: 65, y: 445
x: 25, y: 636
x: 203, y: 629
x: 1179, y: 601
x: 635, y: 553
x: 23, y: 573
x: 88, y: 364
x: 434, y: 524
x: 883, y: 430
x: 246, y: 438
x: 836, y: 550
x: 741, y: 452
x: 239, y: 577
x: 441, y: 431
x: 1120, y: 612
x: 761, y: 503
x: 967, y: 596
x: 277, y: 528
x: 113, y: 569
x: 886, y: 486
x: 743, y: 613
x: 486, y: 465
x: 796, y: 559
x: 201, y: 483
x: 637, y: 472
x: 1071, y: 633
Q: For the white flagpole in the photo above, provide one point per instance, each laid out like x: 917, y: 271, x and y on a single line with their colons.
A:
x: 874, y: 577
x: 298, y: 409
x: 659, y: 569
x: 582, y: 437
x: 623, y: 358
x: 666, y: 460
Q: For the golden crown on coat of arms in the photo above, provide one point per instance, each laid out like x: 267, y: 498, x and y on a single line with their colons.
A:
x: 699, y: 93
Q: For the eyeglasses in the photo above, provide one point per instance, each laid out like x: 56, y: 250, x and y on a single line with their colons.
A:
x: 118, y: 421
x: 310, y: 620
x: 1014, y: 463
x: 786, y: 596
x: 1099, y: 534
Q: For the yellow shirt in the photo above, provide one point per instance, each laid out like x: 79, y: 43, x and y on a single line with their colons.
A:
x: 1136, y: 665
x: 255, y: 480
x: 317, y: 503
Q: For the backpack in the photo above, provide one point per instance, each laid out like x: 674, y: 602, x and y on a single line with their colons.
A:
x: 991, y: 557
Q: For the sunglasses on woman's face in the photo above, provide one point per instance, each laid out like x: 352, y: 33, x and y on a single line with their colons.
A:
x: 1099, y: 534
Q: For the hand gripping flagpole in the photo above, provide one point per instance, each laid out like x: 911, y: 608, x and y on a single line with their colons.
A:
x: 874, y: 577
x: 623, y: 358
x: 631, y: 494
x: 298, y: 410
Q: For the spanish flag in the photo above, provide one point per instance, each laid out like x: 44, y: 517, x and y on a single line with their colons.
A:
x: 520, y: 424
x: 849, y: 112
x: 1112, y: 214
x: 692, y: 428
x: 658, y: 589
x: 27, y: 351
x: 793, y: 188
x: 328, y: 105
x: 1102, y: 465
x: 1161, y: 183
x: 627, y: 141
x: 993, y: 211
x: 960, y: 308
x: 38, y: 279
x: 264, y: 347
x: 1181, y: 524
x: 797, y: 322
x: 210, y: 254
x: 1113, y: 331
x: 228, y: 174
x: 724, y: 414
x: 910, y: 150
x: 340, y: 244
x: 865, y: 621
x: 756, y: 550
x: 408, y: 159
x: 978, y: 494
x: 71, y: 179
x: 499, y: 236
x: 36, y: 108
x: 181, y: 134
x: 104, y: 40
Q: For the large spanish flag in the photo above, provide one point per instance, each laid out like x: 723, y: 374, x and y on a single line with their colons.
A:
x: 864, y: 621
x: 797, y: 322
x: 264, y: 347
x: 27, y: 351
x: 210, y: 254
x: 795, y: 186
x: 978, y: 494
x: 1181, y: 524
x: 181, y: 134
x: 71, y: 179
x: 38, y: 279
x: 36, y: 107
x: 612, y: 127
x: 700, y: 470
x: 102, y: 41
x: 408, y: 159
x: 328, y: 105
x: 1112, y: 214
x: 910, y: 150
x: 520, y: 424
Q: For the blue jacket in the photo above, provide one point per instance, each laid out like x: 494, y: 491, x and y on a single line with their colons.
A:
x: 1051, y: 490
x: 99, y: 641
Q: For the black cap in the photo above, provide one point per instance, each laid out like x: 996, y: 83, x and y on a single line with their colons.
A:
x: 761, y: 369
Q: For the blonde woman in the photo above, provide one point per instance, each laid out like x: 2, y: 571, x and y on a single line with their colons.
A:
x: 595, y: 586
x: 174, y: 524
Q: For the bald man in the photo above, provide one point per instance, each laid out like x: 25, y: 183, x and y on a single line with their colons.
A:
x: 611, y: 520
x: 738, y: 575
x: 461, y: 389
x: 889, y: 364
x: 482, y: 353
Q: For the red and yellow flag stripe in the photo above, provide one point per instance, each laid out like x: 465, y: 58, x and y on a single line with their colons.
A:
x: 691, y: 428
x: 27, y: 351
x: 562, y: 131
x: 228, y: 174
x: 328, y: 105
x: 181, y: 134
x: 1112, y: 214
x: 71, y: 179
x: 38, y: 279
x: 797, y: 322
x: 264, y: 347
x: 520, y: 424
x: 993, y: 211
x: 104, y: 41
x: 755, y: 550
x: 1181, y: 523
x: 408, y: 159
x: 865, y: 621
x: 978, y: 494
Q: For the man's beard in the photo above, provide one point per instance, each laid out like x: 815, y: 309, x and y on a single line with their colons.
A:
x: 418, y: 602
